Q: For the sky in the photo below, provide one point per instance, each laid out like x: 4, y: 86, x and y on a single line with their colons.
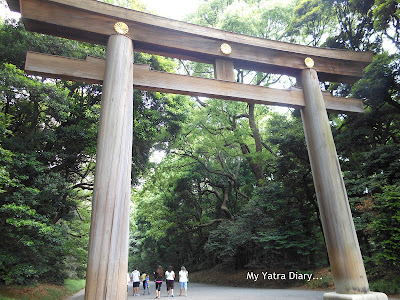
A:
x: 5, y: 12
x: 174, y: 9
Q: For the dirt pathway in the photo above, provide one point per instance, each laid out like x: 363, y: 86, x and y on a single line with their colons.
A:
x: 212, y: 292
x: 197, y: 291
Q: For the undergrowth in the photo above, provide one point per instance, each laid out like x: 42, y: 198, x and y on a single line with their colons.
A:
x: 41, y: 291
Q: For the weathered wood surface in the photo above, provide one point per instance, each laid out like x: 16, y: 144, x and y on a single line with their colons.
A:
x: 91, y: 70
x: 340, y: 236
x: 93, y: 21
x: 224, y: 70
x: 109, y: 231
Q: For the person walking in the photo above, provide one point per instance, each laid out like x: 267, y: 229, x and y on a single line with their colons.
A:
x: 170, y: 276
x: 136, y: 282
x: 159, y: 279
x: 143, y: 277
x: 183, y: 280
x: 147, y: 284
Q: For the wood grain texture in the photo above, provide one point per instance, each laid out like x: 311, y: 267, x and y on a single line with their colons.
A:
x: 109, y: 231
x: 340, y: 235
x: 224, y: 69
x: 93, y: 21
x: 91, y: 70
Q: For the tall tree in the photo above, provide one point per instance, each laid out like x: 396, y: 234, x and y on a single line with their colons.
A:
x: 356, y: 26
x: 48, y: 138
x: 387, y: 19
x: 311, y: 22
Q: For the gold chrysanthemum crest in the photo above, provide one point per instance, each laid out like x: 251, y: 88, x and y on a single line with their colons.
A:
x: 309, y: 62
x: 121, y: 28
x: 226, y: 49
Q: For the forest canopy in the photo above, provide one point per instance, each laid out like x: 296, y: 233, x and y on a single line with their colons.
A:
x: 234, y: 187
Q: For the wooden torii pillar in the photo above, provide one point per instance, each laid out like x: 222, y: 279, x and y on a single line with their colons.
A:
x: 96, y: 22
x: 109, y: 229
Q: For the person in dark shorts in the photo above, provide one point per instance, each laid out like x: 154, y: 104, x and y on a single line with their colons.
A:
x: 170, y: 276
x: 136, y: 282
x: 159, y: 279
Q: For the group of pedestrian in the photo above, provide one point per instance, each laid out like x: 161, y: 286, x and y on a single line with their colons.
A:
x: 135, y: 278
x: 159, y: 275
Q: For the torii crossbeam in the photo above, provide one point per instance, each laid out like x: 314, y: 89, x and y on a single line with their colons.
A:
x: 93, y: 21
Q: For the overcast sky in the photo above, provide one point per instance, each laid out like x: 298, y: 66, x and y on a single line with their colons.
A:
x: 174, y: 9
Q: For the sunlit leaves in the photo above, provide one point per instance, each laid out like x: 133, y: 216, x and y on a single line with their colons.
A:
x: 387, y: 19
x: 311, y: 23
x: 381, y: 82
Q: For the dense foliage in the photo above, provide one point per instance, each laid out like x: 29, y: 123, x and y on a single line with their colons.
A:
x: 48, y: 132
x: 235, y: 186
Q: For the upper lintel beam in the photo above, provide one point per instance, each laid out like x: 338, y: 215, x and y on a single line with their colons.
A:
x: 92, y: 21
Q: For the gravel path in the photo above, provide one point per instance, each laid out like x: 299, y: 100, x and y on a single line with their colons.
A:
x: 198, y: 291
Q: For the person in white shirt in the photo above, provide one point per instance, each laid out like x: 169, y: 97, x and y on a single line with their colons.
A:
x: 183, y: 279
x: 135, y: 276
x: 170, y: 276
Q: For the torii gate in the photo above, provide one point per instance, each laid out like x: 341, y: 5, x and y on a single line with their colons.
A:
x: 120, y: 29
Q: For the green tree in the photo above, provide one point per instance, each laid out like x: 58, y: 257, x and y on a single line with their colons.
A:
x: 380, y: 84
x: 36, y: 253
x: 48, y: 138
x: 386, y: 229
x: 311, y: 22
x: 167, y: 213
x: 228, y: 169
x: 369, y: 146
x: 355, y: 26
x: 387, y: 19
x: 37, y: 196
